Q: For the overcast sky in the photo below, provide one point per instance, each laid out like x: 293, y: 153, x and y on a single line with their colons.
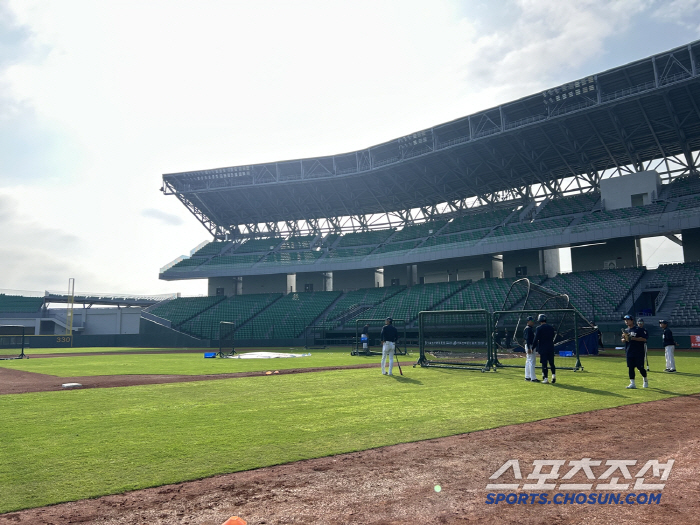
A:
x: 99, y: 98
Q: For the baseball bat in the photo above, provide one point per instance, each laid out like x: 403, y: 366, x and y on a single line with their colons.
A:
x: 397, y: 362
x: 646, y: 357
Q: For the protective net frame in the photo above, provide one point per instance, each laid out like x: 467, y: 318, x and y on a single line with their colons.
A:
x: 375, y: 326
x: 525, y: 298
x: 573, y: 332
x: 227, y: 341
x: 13, y: 339
x: 456, y: 339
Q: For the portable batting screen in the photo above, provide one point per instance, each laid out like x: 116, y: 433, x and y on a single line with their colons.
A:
x: 574, y: 335
x: 227, y: 343
x: 12, y: 342
x: 455, y: 339
x: 373, y: 343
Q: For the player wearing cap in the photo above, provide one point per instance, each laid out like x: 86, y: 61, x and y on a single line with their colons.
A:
x: 635, y: 338
x: 669, y: 346
x: 388, y: 337
x: 529, y: 337
x: 544, y: 344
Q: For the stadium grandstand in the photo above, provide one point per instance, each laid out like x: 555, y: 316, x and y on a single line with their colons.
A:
x: 448, y: 217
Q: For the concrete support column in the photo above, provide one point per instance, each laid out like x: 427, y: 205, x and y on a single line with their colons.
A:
x: 412, y: 274
x: 291, y: 283
x: 119, y: 321
x: 328, y: 281
x: 497, y: 266
x: 379, y: 277
x: 638, y: 250
x: 239, y: 285
x: 549, y: 262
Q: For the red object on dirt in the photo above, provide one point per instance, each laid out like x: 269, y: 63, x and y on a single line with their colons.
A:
x: 235, y: 520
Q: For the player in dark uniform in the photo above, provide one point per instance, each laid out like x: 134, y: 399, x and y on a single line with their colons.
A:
x: 669, y: 346
x: 389, y: 336
x: 529, y: 337
x: 544, y: 344
x: 635, y: 338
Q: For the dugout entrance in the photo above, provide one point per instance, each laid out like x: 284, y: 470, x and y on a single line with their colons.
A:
x: 374, y: 345
x: 13, y: 339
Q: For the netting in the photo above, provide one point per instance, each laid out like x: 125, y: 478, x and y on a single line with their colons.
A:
x: 373, y: 345
x: 575, y: 335
x: 227, y: 345
x: 455, y: 339
x: 12, y: 341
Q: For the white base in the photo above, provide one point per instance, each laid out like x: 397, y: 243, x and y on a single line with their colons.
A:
x: 71, y: 385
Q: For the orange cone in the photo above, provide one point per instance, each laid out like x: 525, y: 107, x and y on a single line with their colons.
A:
x: 235, y: 520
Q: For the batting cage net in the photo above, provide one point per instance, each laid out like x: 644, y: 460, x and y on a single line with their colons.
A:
x: 227, y: 345
x: 371, y: 344
x: 13, y: 339
x: 455, y: 339
x: 575, y: 336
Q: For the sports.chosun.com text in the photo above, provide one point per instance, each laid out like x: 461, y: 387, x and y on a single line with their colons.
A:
x: 573, y: 498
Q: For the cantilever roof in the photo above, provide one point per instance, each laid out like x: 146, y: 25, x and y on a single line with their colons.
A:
x: 629, y: 115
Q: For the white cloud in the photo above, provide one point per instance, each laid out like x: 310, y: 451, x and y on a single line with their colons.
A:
x: 166, y: 218
x: 685, y: 13
x: 99, y: 99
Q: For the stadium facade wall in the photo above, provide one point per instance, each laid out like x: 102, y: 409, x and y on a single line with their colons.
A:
x: 356, y: 279
x: 691, y: 244
x: 228, y: 284
x: 531, y: 262
x: 529, y: 259
x: 100, y: 321
x: 620, y: 252
x: 618, y: 192
x: 87, y: 321
x: 275, y: 283
x: 315, y: 280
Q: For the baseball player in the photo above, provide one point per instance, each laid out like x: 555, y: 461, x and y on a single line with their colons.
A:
x: 529, y: 337
x: 544, y: 344
x: 364, y: 338
x: 635, y: 338
x: 388, y: 337
x: 669, y: 346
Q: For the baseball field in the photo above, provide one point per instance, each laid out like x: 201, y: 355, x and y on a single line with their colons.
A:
x: 158, y: 436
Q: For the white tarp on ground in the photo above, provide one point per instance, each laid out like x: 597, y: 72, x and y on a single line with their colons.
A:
x: 265, y: 355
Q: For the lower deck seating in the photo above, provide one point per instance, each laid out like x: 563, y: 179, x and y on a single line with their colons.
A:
x: 597, y: 293
x: 182, y: 309
x: 410, y: 302
x: 365, y: 297
x: 237, y: 310
x: 288, y: 317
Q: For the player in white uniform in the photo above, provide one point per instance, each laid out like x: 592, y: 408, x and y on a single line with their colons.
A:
x: 529, y: 336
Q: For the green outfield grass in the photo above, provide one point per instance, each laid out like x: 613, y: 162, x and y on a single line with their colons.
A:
x: 187, y: 364
x: 68, y: 445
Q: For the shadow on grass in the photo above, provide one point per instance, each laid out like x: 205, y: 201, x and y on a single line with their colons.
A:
x: 408, y: 380
x: 684, y: 374
x: 669, y: 392
x: 587, y: 390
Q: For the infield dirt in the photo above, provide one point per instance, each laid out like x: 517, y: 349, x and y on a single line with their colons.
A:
x: 396, y: 485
